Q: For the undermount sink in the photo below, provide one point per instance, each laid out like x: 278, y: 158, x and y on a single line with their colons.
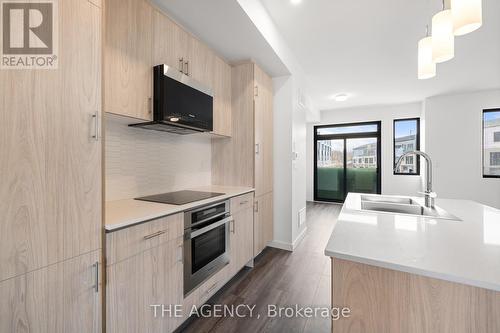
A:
x: 383, y: 199
x: 402, y: 205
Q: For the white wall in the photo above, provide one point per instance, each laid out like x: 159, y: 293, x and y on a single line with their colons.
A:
x: 391, y: 184
x: 141, y: 162
x: 453, y: 140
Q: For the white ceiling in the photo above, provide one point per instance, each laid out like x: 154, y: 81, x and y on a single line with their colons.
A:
x: 226, y: 28
x: 368, y: 48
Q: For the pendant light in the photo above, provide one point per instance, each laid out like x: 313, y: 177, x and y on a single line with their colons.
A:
x: 426, y: 66
x: 467, y: 16
x: 443, y: 38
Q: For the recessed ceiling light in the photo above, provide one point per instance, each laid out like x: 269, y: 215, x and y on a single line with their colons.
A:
x: 341, y: 97
x: 295, y: 2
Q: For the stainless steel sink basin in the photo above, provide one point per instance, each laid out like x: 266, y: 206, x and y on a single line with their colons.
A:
x: 401, y: 205
x: 382, y: 199
x: 392, y: 207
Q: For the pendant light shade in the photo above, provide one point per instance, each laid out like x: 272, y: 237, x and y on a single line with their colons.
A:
x: 467, y: 15
x: 443, y: 38
x: 426, y: 66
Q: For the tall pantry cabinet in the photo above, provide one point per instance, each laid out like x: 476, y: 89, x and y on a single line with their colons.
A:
x: 51, y: 195
x: 246, y: 158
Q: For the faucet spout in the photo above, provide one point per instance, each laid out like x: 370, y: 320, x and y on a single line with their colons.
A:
x: 429, y: 194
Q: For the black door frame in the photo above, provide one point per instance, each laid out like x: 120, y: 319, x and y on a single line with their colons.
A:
x: 377, y: 134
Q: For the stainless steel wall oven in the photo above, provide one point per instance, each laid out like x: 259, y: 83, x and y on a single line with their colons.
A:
x: 206, y: 243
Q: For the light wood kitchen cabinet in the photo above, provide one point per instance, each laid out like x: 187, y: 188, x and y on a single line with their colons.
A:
x: 246, y: 159
x: 125, y: 243
x: 241, y: 239
x: 263, y: 132
x: 152, y: 277
x: 263, y: 222
x: 221, y: 84
x: 128, y: 72
x: 50, y: 198
x: 139, y: 37
x: 170, y: 42
x: 60, y: 298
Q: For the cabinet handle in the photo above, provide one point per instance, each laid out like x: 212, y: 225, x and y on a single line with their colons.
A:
x: 209, y: 291
x: 256, y: 91
x: 180, y: 254
x: 256, y: 207
x: 95, y: 119
x: 244, y: 202
x: 181, y: 65
x: 156, y: 234
x: 234, y: 226
x: 187, y: 68
x: 150, y: 105
x: 96, y: 272
x: 257, y: 149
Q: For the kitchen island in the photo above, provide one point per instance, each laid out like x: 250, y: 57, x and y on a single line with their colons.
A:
x: 411, y: 273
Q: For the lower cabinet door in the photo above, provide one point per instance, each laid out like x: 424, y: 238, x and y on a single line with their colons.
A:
x: 241, y: 241
x: 263, y: 222
x: 143, y: 290
x: 60, y: 298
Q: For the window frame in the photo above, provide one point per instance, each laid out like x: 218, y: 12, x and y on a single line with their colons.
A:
x: 482, y: 142
x: 417, y: 173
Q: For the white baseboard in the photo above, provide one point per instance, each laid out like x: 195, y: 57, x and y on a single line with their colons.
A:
x: 281, y: 245
x: 299, y: 238
x: 288, y: 246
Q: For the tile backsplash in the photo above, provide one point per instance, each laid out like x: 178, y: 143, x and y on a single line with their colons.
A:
x: 141, y: 162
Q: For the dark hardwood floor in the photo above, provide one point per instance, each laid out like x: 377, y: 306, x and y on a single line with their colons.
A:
x: 281, y: 278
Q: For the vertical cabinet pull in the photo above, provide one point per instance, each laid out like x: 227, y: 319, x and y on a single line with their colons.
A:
x: 256, y: 207
x: 180, y: 254
x: 96, y: 272
x: 150, y: 105
x: 181, y: 65
x: 256, y: 91
x: 257, y: 149
x: 187, y: 68
x: 233, y: 226
x: 95, y: 119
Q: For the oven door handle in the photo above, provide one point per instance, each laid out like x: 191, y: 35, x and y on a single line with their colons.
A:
x: 196, y: 233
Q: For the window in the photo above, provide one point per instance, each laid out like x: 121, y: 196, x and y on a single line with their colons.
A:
x: 491, y: 143
x: 407, y: 138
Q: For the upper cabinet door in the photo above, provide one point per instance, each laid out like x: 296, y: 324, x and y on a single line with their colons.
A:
x: 170, y: 42
x: 221, y: 83
x: 128, y: 64
x: 200, y: 62
x: 263, y: 132
x: 50, y: 198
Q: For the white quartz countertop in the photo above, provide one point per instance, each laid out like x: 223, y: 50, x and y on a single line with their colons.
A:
x: 466, y: 251
x: 128, y: 212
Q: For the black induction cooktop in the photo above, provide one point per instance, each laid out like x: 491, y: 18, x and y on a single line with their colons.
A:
x: 180, y: 197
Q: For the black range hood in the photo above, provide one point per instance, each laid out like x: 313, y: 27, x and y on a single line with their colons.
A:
x: 181, y: 105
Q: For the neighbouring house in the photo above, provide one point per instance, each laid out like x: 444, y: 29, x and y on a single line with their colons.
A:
x: 402, y: 145
x: 365, y: 156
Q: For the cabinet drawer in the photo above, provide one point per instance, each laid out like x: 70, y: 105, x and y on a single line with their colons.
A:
x: 241, y: 202
x: 212, y: 285
x: 128, y: 242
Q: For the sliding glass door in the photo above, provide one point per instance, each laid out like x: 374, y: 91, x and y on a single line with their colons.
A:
x: 347, y: 159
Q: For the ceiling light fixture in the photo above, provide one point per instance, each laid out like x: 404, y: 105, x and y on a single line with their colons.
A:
x: 443, y: 38
x: 341, y: 97
x: 467, y: 16
x: 426, y: 66
x: 295, y: 2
